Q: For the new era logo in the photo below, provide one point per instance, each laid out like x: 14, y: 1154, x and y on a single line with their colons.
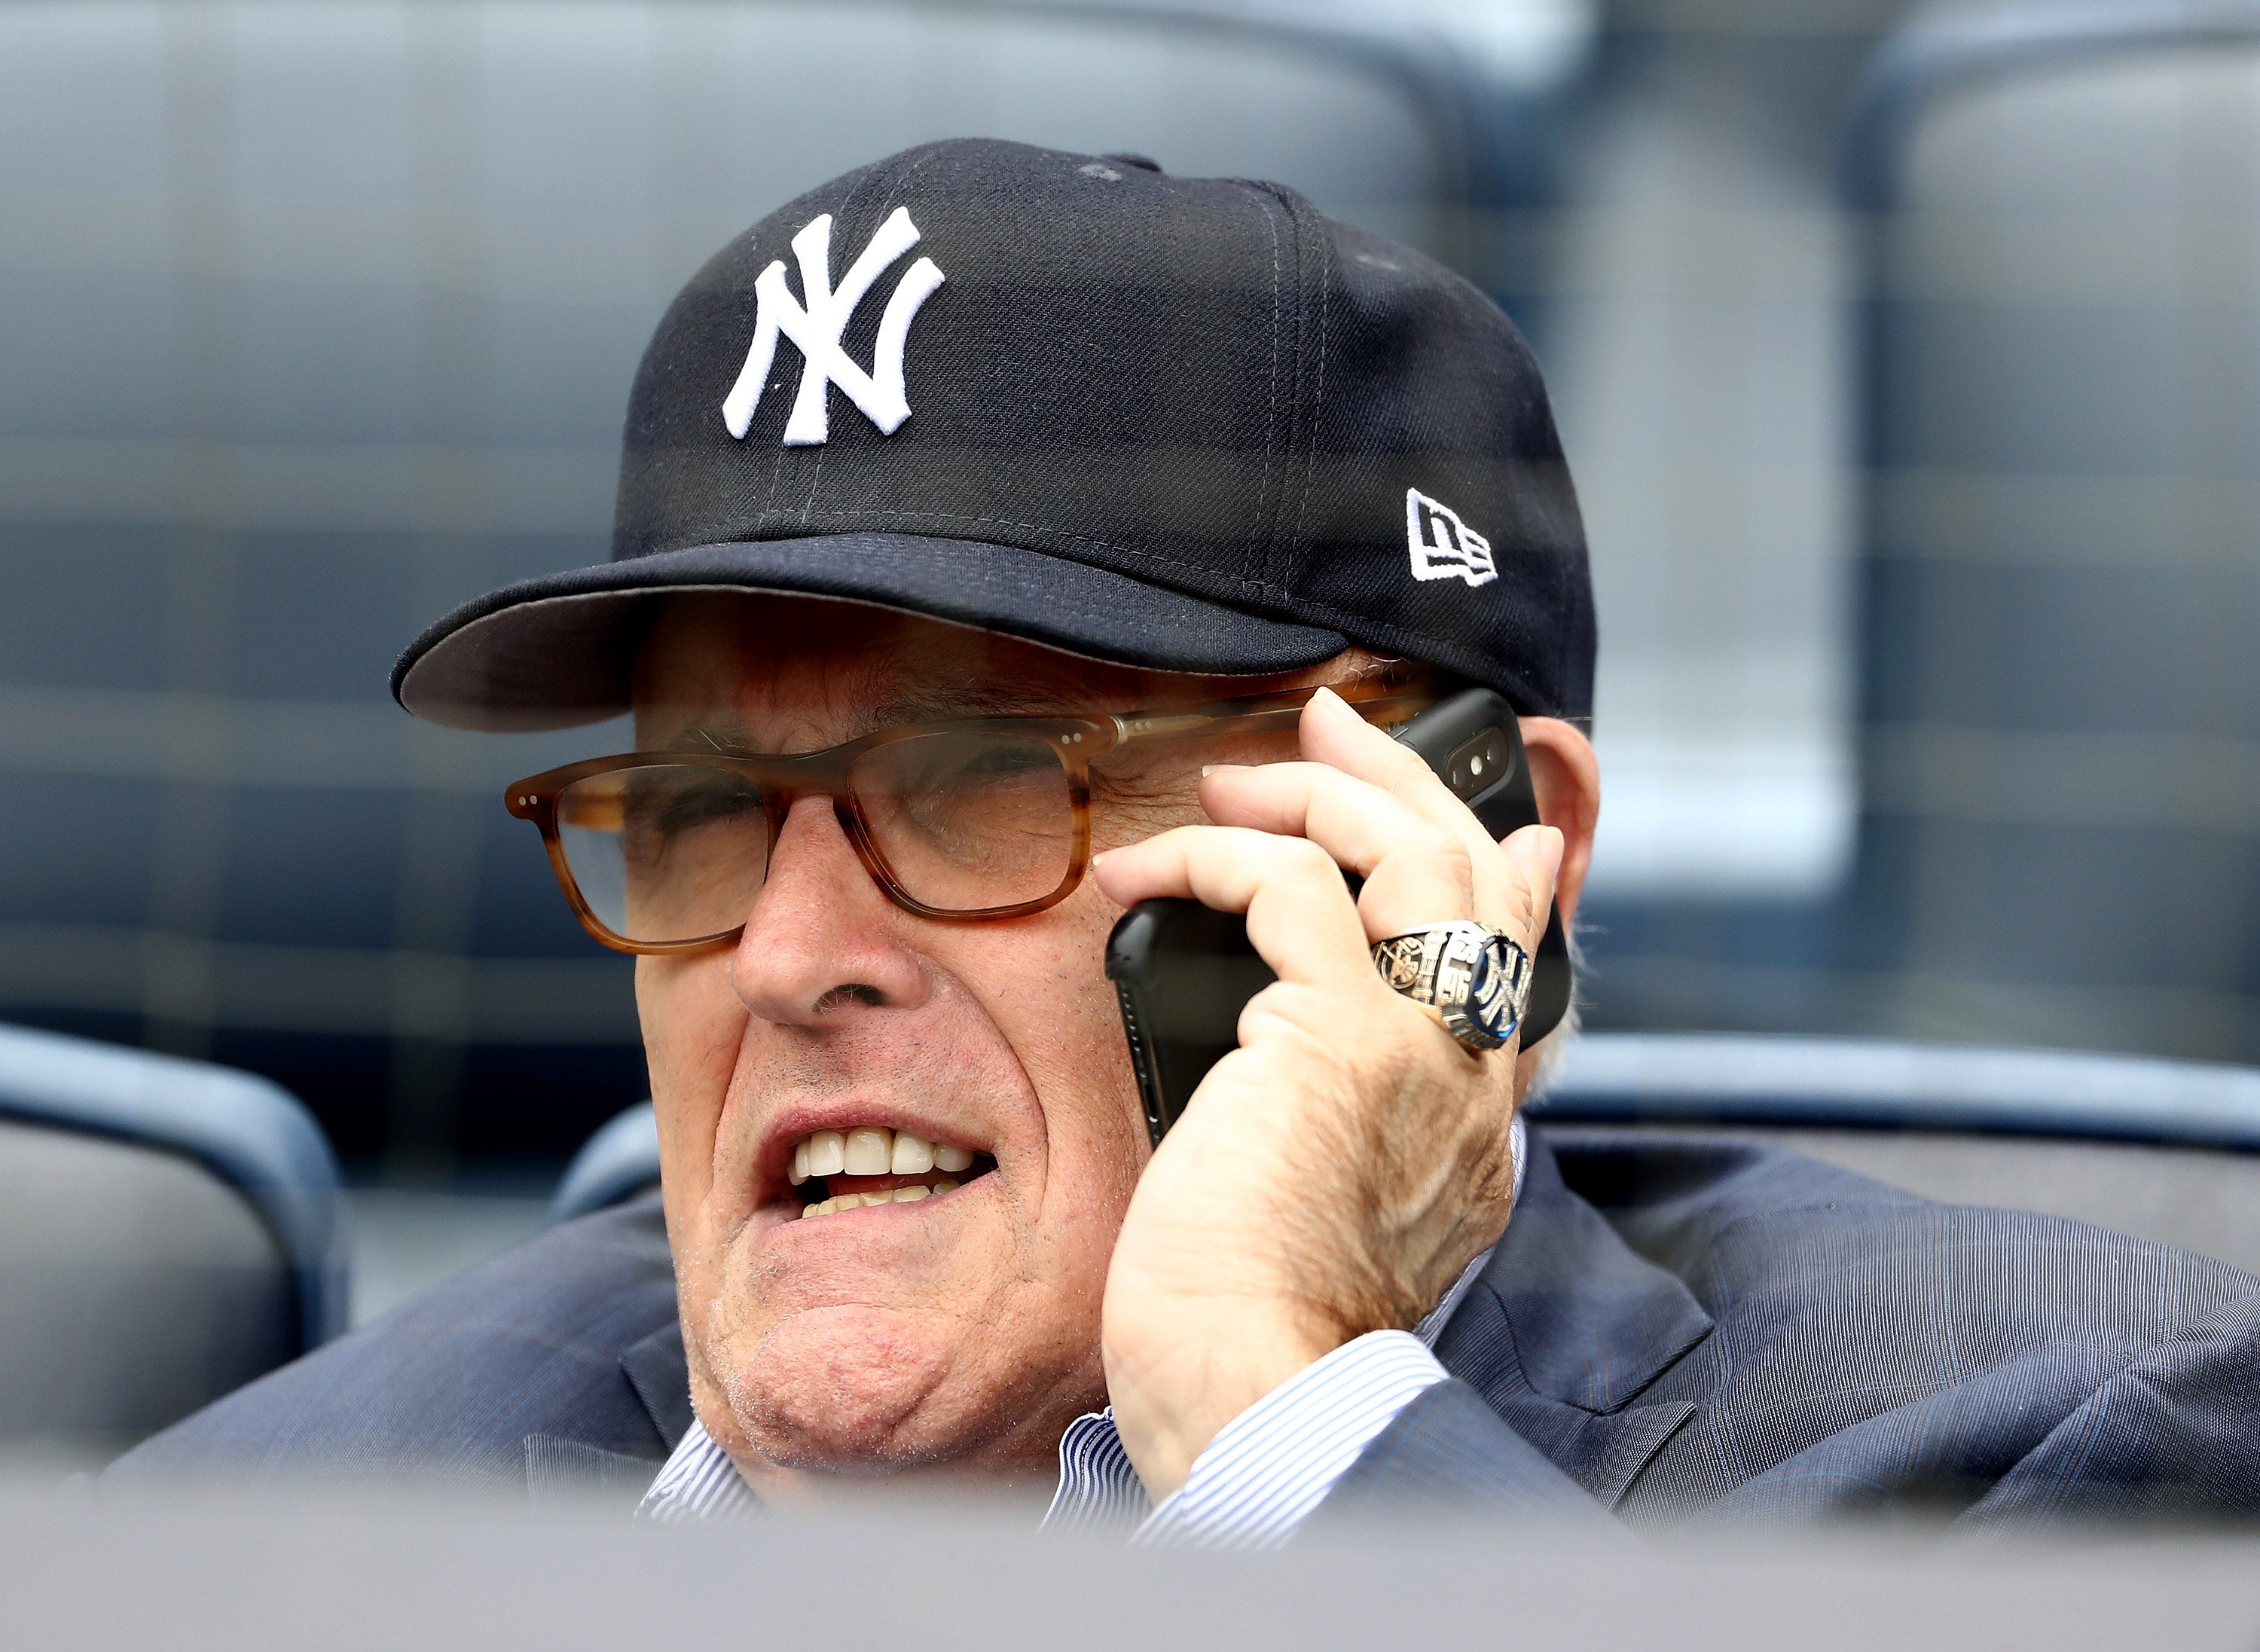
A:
x: 1442, y: 546
x: 818, y: 327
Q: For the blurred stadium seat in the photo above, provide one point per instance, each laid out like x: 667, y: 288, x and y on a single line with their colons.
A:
x: 618, y: 1164
x: 2061, y: 762
x: 319, y: 320
x: 168, y: 1231
x: 2161, y: 1148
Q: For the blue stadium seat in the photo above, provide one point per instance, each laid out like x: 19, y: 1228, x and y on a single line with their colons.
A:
x: 2061, y: 758
x: 1684, y: 1078
x: 319, y: 320
x: 2169, y: 1150
x: 618, y: 1164
x: 168, y: 1231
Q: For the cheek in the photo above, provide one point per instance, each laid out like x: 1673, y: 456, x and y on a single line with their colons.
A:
x: 1133, y: 819
x: 1050, y: 997
x: 693, y: 1023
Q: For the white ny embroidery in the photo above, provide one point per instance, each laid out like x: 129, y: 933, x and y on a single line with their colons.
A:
x: 818, y: 330
x: 1441, y: 546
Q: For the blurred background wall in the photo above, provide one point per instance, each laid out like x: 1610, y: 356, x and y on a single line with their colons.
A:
x: 318, y: 317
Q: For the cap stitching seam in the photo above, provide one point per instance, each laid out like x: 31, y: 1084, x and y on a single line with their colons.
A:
x: 1278, y: 588
x: 1284, y: 532
x: 816, y: 474
x: 776, y: 458
x: 894, y: 187
x: 776, y: 470
x: 815, y: 477
x: 1317, y: 404
x: 777, y: 464
x: 1273, y: 502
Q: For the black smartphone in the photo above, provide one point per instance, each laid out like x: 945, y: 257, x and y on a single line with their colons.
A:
x: 1183, y: 971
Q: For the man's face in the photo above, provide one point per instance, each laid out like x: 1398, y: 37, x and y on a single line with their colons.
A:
x: 962, y: 1326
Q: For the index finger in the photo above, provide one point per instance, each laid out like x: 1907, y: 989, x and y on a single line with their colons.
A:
x: 1300, y: 918
x: 1334, y: 735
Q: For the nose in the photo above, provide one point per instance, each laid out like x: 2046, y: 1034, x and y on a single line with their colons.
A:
x: 823, y: 944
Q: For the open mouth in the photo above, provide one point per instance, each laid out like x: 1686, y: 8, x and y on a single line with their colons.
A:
x: 836, y: 1170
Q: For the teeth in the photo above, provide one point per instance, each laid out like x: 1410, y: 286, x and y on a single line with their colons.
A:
x: 910, y: 1195
x: 873, y: 1150
x: 869, y: 1151
x: 827, y: 1153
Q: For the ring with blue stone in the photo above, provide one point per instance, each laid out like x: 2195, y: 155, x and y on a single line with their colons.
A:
x: 1473, y: 978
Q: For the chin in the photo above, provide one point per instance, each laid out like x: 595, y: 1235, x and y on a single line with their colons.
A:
x: 849, y: 1390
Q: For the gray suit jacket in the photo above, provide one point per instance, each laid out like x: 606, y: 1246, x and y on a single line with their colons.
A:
x: 1671, y: 1327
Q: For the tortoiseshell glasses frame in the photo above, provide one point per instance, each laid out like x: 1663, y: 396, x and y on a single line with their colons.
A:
x: 775, y: 784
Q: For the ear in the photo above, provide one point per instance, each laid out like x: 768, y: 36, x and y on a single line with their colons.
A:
x: 1567, y: 778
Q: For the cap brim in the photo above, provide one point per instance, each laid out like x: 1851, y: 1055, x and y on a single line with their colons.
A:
x: 558, y: 651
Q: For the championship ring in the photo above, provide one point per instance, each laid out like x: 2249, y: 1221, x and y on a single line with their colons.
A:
x: 1469, y: 976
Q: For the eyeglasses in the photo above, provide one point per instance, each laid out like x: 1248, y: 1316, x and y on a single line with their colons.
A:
x: 970, y: 821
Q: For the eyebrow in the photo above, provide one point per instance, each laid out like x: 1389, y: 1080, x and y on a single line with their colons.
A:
x: 939, y: 704
x: 936, y: 704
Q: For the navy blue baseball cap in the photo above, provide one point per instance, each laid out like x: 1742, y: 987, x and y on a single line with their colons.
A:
x: 1189, y: 424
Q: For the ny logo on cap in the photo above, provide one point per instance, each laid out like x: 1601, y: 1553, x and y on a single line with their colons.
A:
x: 817, y: 329
x: 1442, y: 545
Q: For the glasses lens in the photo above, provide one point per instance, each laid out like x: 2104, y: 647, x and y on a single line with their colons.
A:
x: 674, y: 852
x: 966, y: 822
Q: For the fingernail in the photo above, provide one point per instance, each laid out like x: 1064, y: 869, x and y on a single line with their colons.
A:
x: 1539, y: 849
x: 1219, y: 768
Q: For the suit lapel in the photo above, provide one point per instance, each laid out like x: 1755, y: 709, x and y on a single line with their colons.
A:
x: 1566, y: 1327
x: 660, y: 1375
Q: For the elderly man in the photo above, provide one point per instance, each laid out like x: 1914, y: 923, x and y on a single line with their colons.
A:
x: 929, y: 661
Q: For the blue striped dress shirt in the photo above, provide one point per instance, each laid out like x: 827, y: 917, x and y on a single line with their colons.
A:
x: 1257, y: 1481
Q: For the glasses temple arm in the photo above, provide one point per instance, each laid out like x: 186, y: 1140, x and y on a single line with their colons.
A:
x: 1132, y: 728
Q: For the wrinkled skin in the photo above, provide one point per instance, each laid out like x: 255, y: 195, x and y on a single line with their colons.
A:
x: 959, y: 1336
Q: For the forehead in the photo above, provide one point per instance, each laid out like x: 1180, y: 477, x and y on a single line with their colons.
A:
x: 715, y: 654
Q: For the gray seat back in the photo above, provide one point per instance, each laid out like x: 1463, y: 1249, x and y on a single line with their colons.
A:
x: 319, y: 320
x: 2164, y: 1149
x: 168, y: 1231
x: 2062, y: 746
x: 618, y: 1164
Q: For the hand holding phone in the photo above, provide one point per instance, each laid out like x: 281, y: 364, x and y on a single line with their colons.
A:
x: 1183, y: 972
